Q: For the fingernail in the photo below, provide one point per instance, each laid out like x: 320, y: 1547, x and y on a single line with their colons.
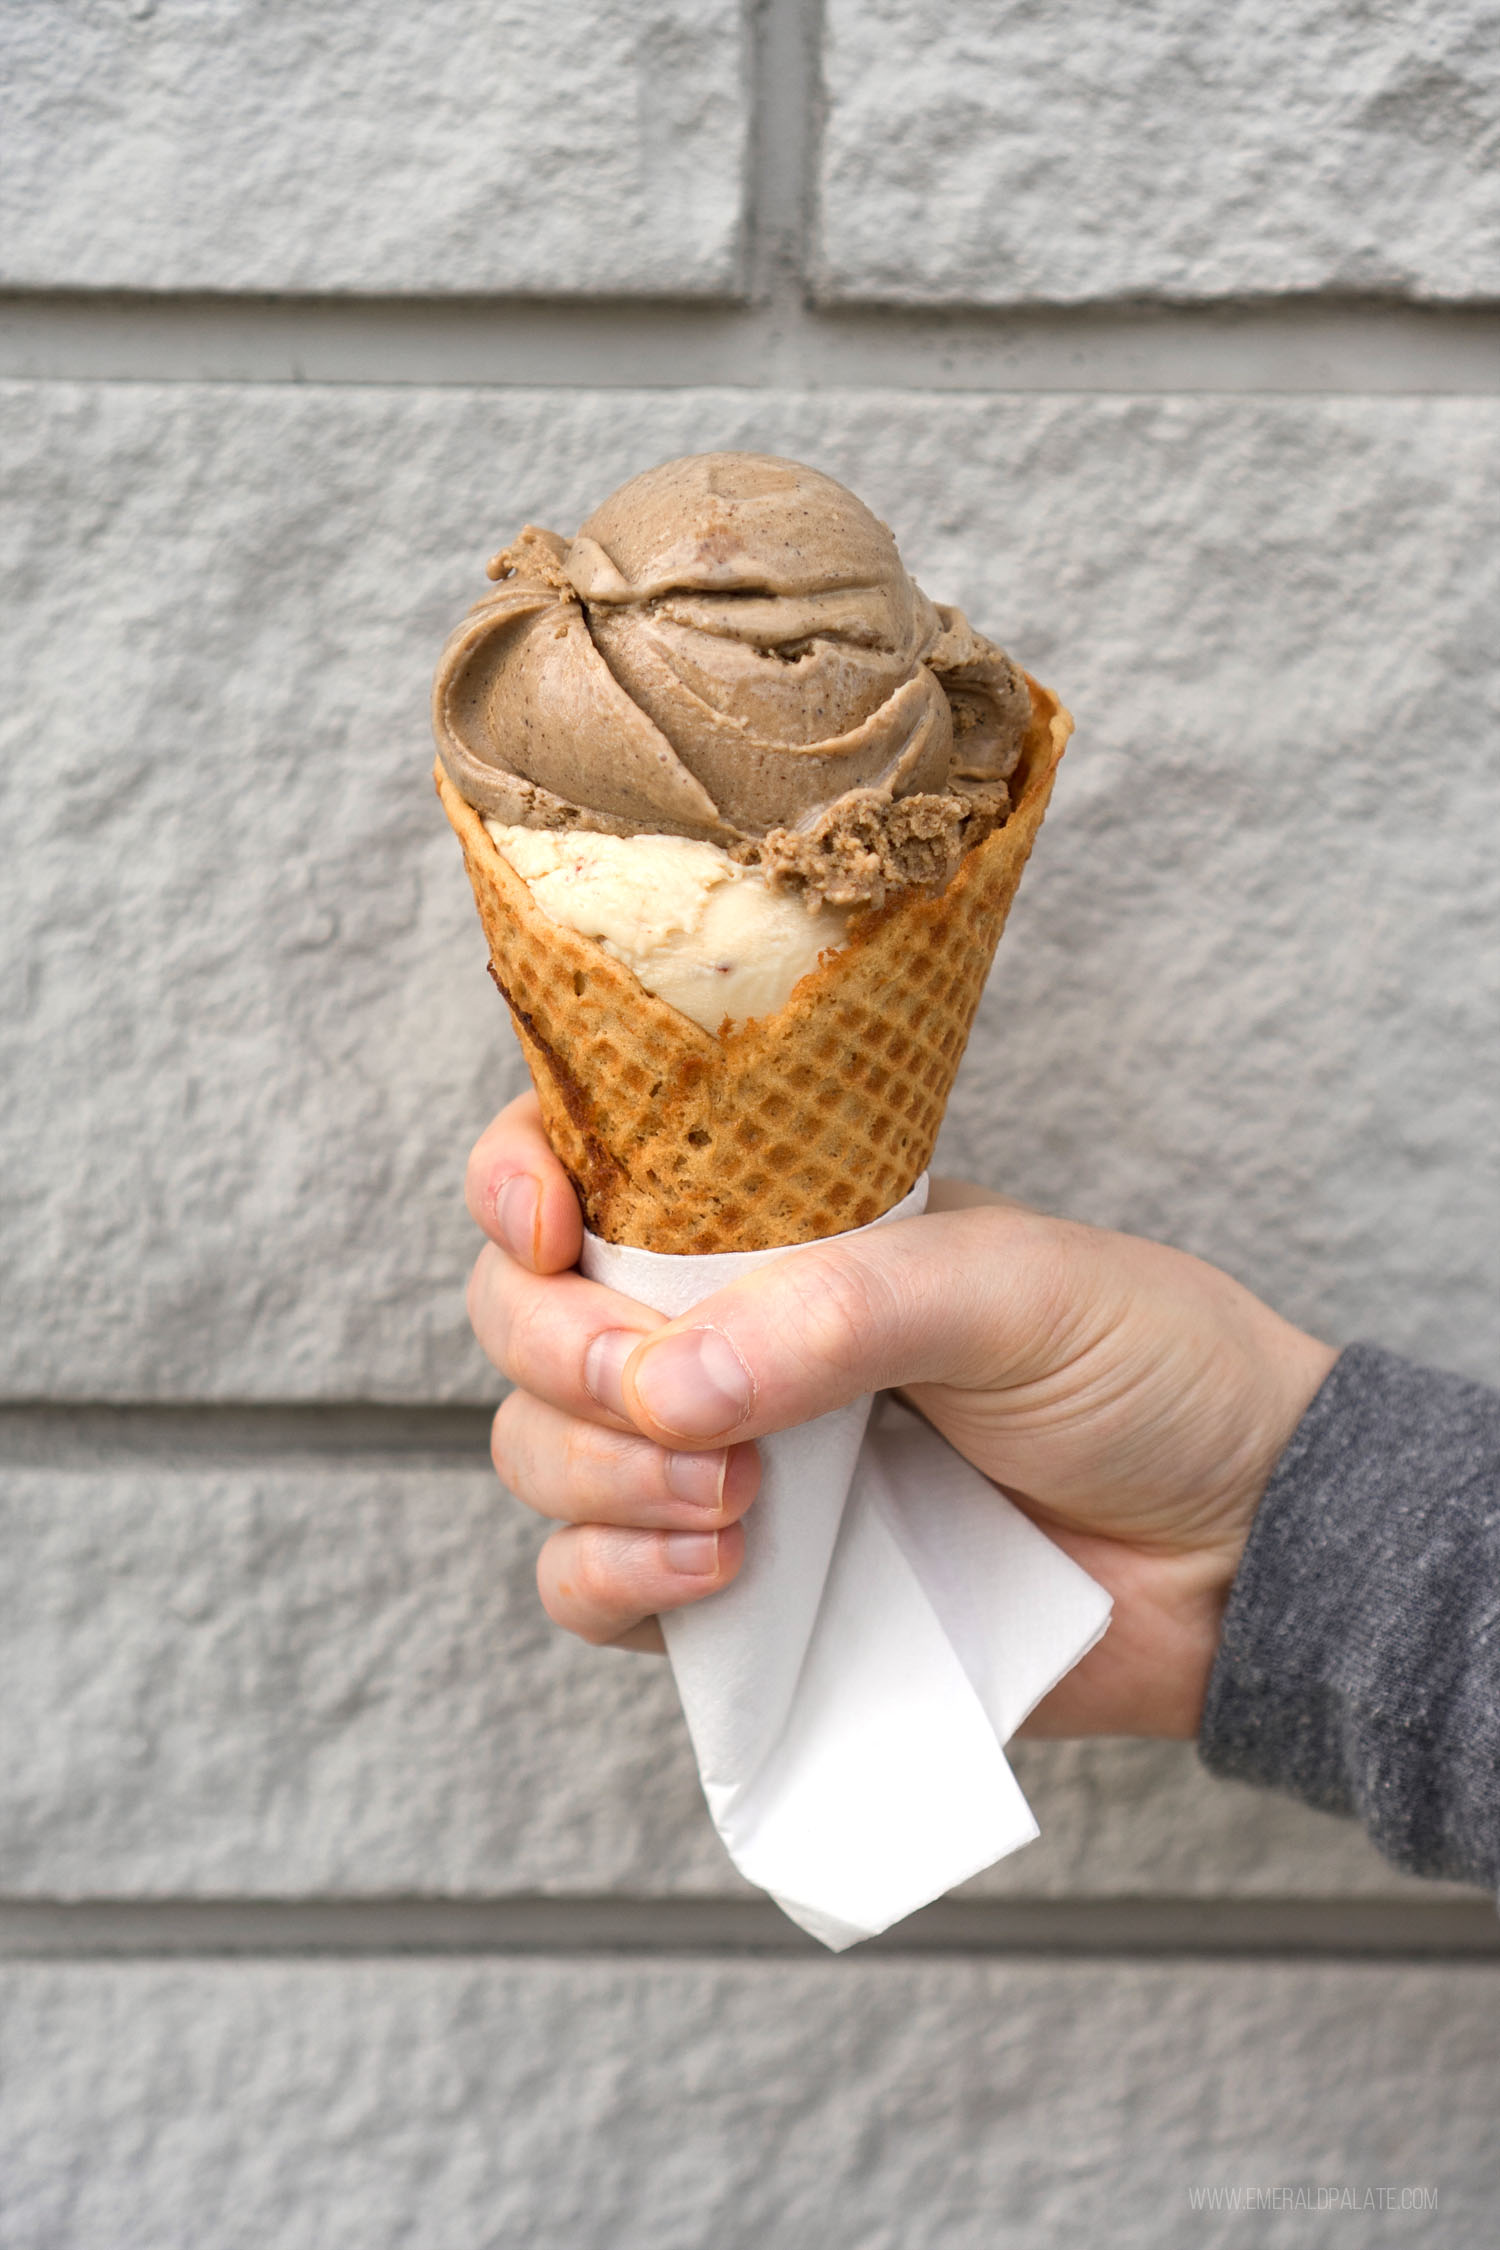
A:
x: 515, y: 1216
x: 695, y: 1385
x: 698, y: 1477
x: 602, y: 1365
x: 692, y: 1554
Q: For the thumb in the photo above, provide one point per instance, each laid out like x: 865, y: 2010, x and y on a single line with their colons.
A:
x: 957, y: 1298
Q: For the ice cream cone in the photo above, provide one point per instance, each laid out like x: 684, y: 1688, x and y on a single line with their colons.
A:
x: 796, y: 1125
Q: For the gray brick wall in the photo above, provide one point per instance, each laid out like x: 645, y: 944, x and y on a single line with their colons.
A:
x: 340, y: 1900
x: 174, y: 144
x: 1075, y: 152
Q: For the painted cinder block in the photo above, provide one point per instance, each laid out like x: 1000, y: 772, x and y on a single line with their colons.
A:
x: 374, y: 149
x: 334, y: 1679
x: 1024, y: 154
x: 613, y: 2105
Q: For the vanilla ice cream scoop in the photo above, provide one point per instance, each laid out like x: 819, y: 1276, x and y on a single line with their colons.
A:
x: 711, y: 938
x: 731, y: 651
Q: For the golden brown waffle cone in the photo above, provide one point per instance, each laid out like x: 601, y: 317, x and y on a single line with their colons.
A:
x: 801, y: 1124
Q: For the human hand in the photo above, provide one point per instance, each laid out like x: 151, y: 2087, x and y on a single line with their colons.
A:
x: 1130, y: 1398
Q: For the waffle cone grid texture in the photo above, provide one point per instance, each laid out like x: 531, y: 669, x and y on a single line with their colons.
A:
x: 795, y: 1126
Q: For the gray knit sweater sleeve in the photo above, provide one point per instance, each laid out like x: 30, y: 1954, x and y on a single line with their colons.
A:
x: 1360, y: 1663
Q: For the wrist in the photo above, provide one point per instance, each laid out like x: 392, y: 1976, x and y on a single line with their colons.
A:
x: 1149, y: 1674
x: 1288, y: 1369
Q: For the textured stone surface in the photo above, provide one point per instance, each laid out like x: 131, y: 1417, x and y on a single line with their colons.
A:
x: 1028, y: 153
x: 459, y: 146
x: 863, y: 2106
x: 1247, y: 1000
x: 318, y: 1679
x: 337, y: 1680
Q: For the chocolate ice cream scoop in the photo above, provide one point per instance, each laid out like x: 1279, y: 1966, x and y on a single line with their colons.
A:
x: 731, y: 650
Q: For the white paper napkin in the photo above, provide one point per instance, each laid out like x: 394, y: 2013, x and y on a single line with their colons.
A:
x: 894, y: 1620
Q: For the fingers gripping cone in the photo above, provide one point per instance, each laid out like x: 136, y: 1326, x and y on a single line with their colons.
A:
x: 797, y: 1125
x: 847, y: 1702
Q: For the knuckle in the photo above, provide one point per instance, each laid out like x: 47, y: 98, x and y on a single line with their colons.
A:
x: 549, y: 1591
x: 580, y: 1457
x: 567, y: 1595
x: 843, y: 1307
x: 600, y: 1576
x: 476, y: 1172
x: 596, y: 1464
x: 594, y: 1568
x: 523, y: 1347
x: 474, y: 1294
x: 506, y: 1451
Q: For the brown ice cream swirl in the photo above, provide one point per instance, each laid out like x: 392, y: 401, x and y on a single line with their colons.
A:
x: 730, y: 649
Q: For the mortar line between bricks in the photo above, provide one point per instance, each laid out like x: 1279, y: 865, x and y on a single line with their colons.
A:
x: 1304, y: 346
x: 785, y: 94
x: 1124, y: 1929
x: 98, y: 1436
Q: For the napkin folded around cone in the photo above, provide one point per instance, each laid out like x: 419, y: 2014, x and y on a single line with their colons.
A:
x: 895, y: 1618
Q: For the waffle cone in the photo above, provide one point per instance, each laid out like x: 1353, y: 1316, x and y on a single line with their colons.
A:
x: 797, y: 1125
